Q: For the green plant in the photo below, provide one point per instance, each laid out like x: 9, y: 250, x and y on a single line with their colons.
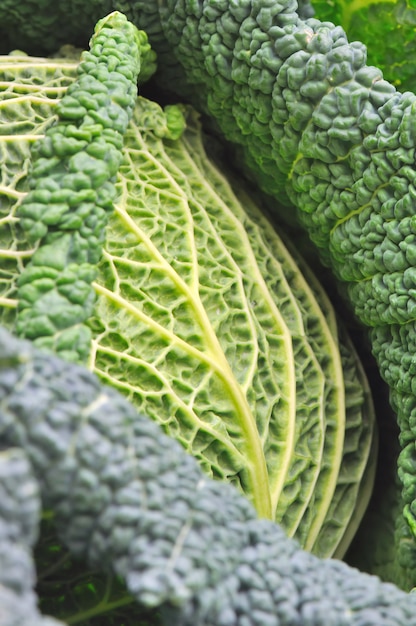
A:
x: 317, y: 129
x: 197, y: 310
x: 128, y: 498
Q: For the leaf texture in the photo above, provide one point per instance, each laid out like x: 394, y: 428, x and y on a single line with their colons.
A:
x: 205, y: 321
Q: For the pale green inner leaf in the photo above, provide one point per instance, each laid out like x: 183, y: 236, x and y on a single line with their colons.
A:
x: 204, y: 320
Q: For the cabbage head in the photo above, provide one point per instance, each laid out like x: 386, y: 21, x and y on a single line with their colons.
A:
x: 205, y: 317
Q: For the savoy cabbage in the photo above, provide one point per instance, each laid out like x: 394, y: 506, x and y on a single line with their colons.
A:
x: 349, y: 101
x: 201, y: 315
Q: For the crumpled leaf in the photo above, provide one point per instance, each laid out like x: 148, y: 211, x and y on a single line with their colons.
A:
x: 205, y: 321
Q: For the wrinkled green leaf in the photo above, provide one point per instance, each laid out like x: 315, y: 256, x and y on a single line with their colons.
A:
x: 205, y: 321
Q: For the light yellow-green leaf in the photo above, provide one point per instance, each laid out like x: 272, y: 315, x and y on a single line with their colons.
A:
x: 205, y: 321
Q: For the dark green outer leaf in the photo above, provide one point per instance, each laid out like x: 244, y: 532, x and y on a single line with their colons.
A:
x: 130, y: 498
x: 71, y: 188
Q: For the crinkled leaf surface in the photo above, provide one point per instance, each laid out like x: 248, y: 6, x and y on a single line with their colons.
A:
x: 206, y: 322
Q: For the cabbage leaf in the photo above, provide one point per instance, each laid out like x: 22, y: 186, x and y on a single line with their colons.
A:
x: 205, y: 321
